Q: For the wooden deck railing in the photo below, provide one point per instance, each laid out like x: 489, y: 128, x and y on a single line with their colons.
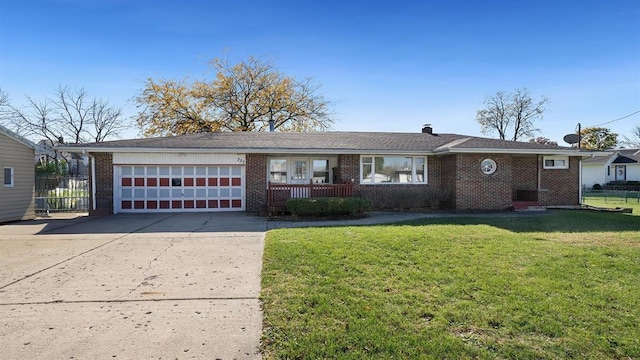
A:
x: 278, y: 194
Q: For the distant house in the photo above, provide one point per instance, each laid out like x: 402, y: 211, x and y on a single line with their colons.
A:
x: 17, y: 162
x: 246, y: 171
x: 616, y: 166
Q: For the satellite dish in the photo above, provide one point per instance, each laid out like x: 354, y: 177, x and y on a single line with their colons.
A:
x: 571, y: 138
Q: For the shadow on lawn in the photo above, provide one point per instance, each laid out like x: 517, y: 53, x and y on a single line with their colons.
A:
x: 551, y: 221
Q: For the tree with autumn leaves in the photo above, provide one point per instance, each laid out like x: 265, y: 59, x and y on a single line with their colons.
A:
x: 246, y: 96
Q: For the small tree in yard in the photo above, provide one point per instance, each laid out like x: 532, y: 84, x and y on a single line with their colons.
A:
x: 543, y: 140
x: 511, y: 115
x: 598, y: 138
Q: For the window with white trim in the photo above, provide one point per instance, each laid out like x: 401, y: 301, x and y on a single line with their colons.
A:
x: 556, y: 162
x: 278, y: 171
x: 8, y: 177
x: 393, y: 169
x: 287, y: 170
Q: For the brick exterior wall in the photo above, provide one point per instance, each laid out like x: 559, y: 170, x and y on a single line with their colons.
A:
x: 447, y: 184
x: 104, y: 184
x: 349, y: 166
x: 256, y: 182
x: 525, y: 173
x: 478, y: 191
x: 560, y: 186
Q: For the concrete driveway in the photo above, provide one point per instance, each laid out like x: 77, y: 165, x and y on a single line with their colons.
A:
x: 162, y: 286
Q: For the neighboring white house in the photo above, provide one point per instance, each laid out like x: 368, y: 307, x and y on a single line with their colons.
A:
x: 619, y: 165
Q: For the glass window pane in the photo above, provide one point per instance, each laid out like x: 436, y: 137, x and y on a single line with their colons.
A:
x: 201, y: 170
x: 152, y: 193
x: 394, y: 169
x: 224, y: 192
x: 164, y: 193
x: 188, y: 193
x: 176, y: 181
x: 420, y: 162
x: 224, y: 170
x: 213, y: 170
x: 236, y: 192
x: 278, y: 171
x: 176, y: 171
x: 138, y: 170
x: 188, y: 170
x: 176, y: 193
x: 213, y: 193
x: 201, y: 193
x: 300, y: 170
x: 320, y: 171
x: 138, y: 193
x: 367, y: 160
x: 366, y: 173
x: 236, y: 171
x: 152, y: 170
x: 126, y: 193
x: 164, y: 170
x: 127, y: 170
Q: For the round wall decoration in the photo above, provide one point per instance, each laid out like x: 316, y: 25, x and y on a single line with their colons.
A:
x: 488, y: 166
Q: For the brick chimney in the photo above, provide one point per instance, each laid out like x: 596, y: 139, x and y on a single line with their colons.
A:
x: 427, y: 129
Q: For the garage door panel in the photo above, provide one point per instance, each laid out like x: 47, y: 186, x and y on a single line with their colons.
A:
x: 179, y: 188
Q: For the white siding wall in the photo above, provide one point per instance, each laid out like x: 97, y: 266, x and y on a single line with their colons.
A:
x: 178, y: 158
x: 593, y: 174
x: 17, y: 202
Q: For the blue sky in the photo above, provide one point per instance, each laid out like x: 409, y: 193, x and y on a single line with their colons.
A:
x: 386, y: 65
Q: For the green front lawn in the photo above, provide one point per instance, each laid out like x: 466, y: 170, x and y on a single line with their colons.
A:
x: 555, y: 285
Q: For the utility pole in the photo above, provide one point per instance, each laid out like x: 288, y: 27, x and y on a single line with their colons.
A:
x: 579, y: 135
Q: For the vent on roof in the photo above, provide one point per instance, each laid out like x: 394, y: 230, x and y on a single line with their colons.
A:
x: 427, y: 129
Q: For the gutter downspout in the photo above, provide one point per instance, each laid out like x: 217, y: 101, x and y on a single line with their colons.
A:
x: 580, y: 182
x: 93, y: 182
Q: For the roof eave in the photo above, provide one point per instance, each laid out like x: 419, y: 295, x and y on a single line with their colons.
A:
x: 565, y: 152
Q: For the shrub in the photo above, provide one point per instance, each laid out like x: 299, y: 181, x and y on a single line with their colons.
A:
x: 597, y: 187
x: 328, y: 206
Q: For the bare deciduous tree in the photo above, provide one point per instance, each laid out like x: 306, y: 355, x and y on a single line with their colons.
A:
x: 68, y: 114
x: 634, y: 140
x: 511, y: 115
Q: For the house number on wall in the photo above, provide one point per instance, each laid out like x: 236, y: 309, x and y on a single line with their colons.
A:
x: 488, y: 166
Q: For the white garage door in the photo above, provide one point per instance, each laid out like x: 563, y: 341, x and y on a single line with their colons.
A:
x: 156, y: 188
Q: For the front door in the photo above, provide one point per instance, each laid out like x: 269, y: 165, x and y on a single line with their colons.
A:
x: 299, y: 171
x: 621, y: 173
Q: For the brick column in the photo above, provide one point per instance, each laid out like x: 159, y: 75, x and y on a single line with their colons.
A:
x: 104, y: 185
x: 256, y: 182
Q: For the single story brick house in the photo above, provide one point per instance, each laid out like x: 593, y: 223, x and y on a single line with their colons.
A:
x: 17, y: 192
x: 226, y: 171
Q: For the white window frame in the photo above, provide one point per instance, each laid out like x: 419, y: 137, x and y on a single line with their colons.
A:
x: 290, y: 164
x: 413, y: 170
x: 11, y: 177
x: 555, y: 159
